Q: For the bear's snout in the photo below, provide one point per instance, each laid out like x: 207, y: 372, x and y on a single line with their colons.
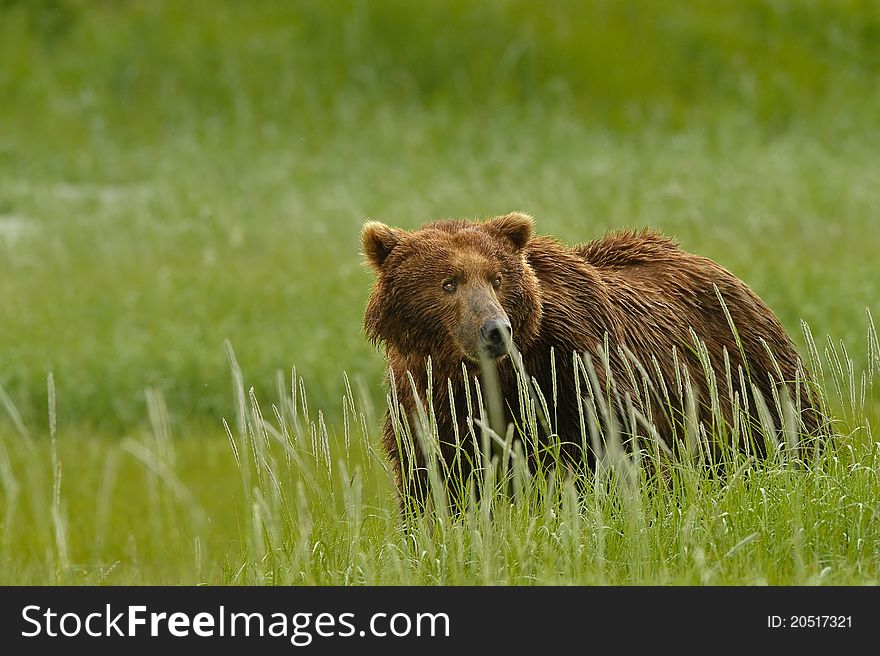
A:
x: 494, y: 335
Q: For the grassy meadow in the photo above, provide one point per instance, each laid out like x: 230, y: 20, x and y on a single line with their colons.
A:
x: 186, y: 392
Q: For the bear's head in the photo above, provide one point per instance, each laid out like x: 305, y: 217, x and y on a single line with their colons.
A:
x: 454, y: 290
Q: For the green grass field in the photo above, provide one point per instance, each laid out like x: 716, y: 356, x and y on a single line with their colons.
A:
x: 173, y: 176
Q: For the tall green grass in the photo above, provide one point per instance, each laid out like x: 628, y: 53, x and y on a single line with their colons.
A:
x: 314, y: 505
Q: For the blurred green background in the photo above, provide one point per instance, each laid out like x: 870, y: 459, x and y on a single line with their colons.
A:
x: 173, y: 174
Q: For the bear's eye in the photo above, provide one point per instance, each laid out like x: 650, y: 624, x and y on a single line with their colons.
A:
x: 450, y: 285
x: 497, y: 282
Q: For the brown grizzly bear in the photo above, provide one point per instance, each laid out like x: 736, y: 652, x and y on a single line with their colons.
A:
x: 632, y: 304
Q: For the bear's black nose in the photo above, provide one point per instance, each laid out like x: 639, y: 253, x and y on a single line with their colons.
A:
x: 494, y: 335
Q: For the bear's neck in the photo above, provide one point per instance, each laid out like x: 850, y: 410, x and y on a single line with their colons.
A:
x: 470, y: 389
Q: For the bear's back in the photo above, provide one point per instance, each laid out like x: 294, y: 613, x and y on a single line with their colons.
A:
x: 645, y: 266
x: 627, y: 248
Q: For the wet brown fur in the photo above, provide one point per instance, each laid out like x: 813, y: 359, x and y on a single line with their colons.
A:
x: 639, y: 288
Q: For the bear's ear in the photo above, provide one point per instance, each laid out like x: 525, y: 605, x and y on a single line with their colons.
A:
x: 516, y: 226
x: 378, y: 240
